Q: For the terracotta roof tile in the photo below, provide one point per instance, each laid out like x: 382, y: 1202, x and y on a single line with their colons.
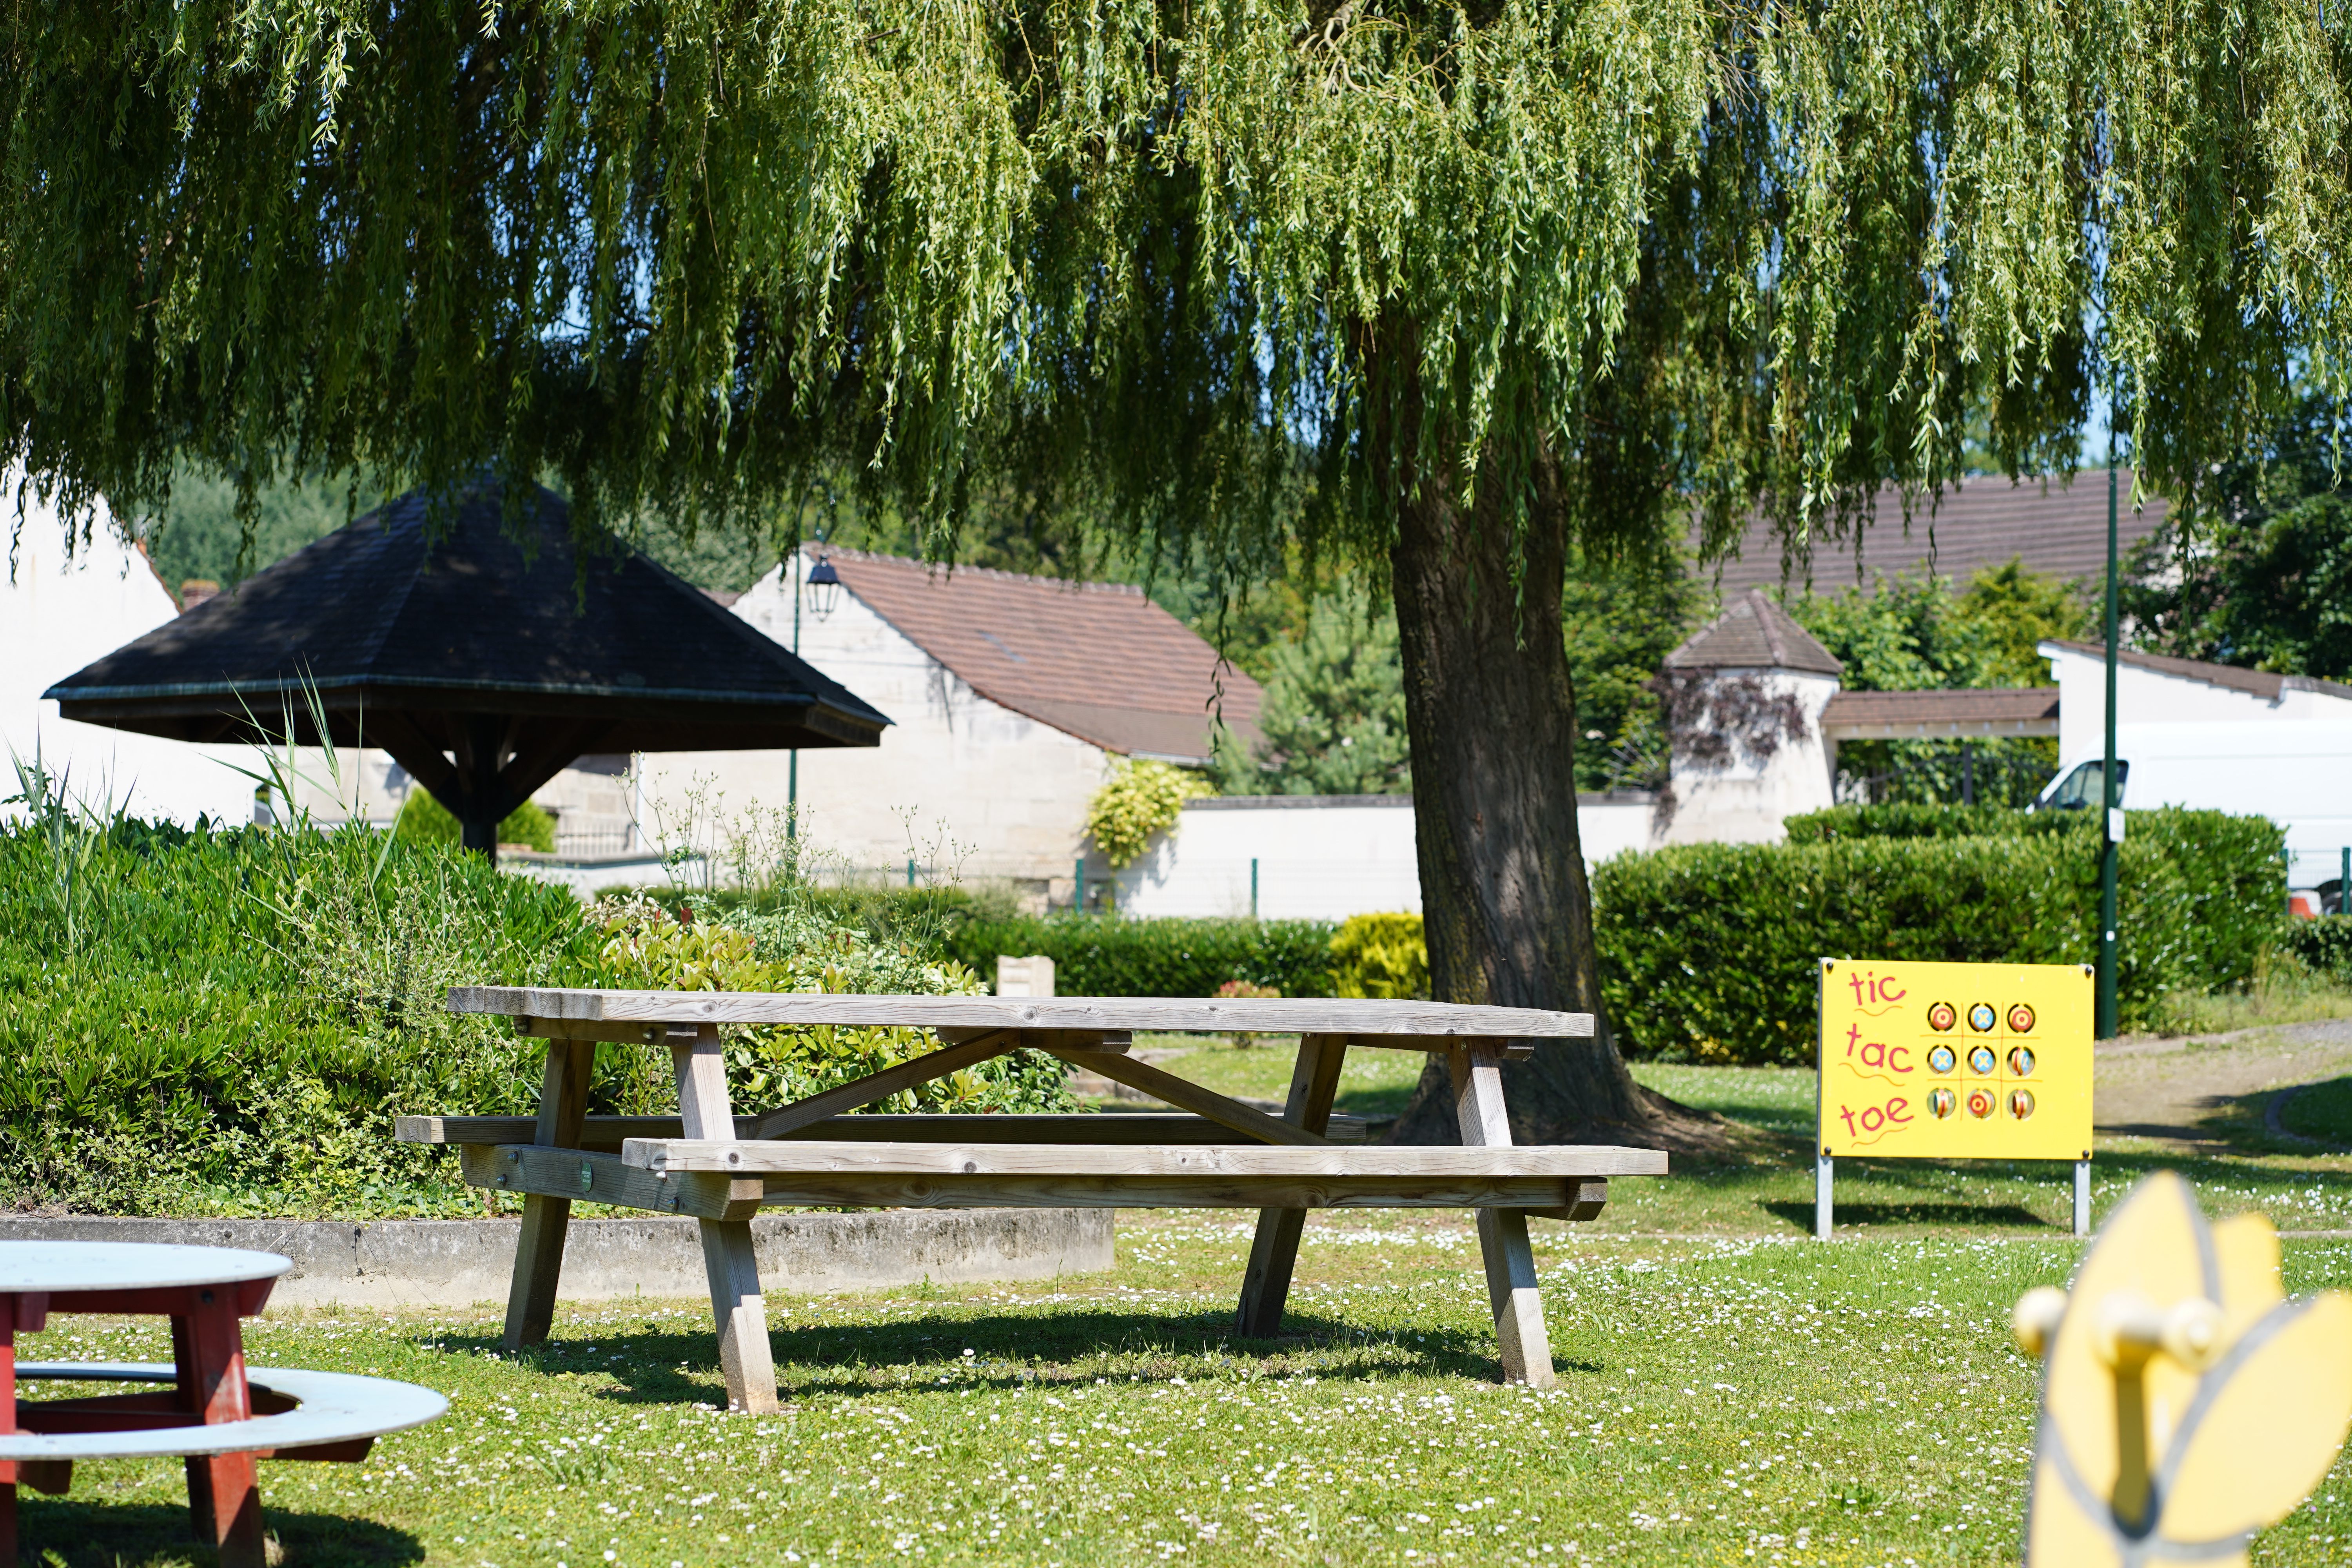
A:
x: 1929, y: 715
x: 1097, y: 660
x: 2056, y: 529
x: 1754, y: 633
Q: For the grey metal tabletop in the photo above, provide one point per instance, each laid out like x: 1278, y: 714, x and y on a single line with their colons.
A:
x: 59, y: 1268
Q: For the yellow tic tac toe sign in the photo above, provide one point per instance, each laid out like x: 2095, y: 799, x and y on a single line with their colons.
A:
x: 1956, y: 1061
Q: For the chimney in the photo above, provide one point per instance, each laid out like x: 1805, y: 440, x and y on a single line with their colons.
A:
x: 195, y: 591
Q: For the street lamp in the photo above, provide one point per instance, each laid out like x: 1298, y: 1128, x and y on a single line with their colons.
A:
x: 824, y: 590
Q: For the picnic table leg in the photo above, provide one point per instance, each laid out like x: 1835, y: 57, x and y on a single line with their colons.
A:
x: 736, y: 1304
x: 539, y: 1251
x: 223, y: 1492
x: 28, y: 1312
x: 1274, y: 1251
x: 1502, y: 1233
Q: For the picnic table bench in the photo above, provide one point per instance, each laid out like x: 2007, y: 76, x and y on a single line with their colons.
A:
x: 212, y: 1412
x: 1218, y: 1152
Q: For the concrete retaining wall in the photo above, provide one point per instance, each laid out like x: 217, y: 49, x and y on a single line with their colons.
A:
x: 437, y: 1262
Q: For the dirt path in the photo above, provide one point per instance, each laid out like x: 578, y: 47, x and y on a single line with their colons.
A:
x: 2172, y: 1089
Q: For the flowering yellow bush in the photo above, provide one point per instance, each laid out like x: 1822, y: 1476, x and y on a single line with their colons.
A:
x: 1380, y: 955
x: 1142, y: 799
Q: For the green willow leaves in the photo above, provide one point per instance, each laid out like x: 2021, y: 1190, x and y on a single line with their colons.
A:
x: 1183, y: 256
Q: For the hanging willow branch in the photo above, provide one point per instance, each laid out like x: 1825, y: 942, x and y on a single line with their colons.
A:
x: 1181, y: 258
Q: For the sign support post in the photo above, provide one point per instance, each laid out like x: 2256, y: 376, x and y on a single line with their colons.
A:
x: 2083, y: 1194
x: 1822, y: 1216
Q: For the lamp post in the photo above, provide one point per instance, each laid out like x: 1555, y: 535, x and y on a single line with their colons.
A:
x: 824, y: 596
x: 2109, y: 849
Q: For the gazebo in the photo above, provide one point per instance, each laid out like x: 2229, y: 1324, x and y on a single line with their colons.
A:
x: 483, y: 649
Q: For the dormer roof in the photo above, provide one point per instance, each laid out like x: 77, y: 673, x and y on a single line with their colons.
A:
x: 1754, y: 633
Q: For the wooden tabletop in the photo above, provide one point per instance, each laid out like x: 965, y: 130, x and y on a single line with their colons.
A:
x: 1235, y: 1015
x: 59, y: 1268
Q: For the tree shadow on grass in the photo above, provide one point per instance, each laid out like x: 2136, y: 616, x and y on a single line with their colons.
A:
x: 1923, y: 1210
x: 86, y: 1533
x: 664, y: 1366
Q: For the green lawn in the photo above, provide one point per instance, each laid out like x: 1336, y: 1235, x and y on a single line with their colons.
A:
x: 1731, y: 1393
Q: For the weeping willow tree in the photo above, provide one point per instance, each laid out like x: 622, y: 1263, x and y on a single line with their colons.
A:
x: 1466, y: 290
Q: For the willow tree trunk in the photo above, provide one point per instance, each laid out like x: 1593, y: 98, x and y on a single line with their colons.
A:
x: 1504, y: 900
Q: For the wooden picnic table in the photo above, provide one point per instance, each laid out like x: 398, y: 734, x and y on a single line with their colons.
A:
x: 216, y: 1414
x: 720, y: 1168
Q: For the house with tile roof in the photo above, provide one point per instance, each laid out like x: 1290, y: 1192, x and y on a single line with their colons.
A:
x: 1013, y: 698
x: 2057, y: 529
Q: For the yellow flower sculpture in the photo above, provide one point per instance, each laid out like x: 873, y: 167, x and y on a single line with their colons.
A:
x: 2185, y: 1402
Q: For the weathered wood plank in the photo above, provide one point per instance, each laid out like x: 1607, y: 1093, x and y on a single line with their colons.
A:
x: 1519, y: 1333
x: 1118, y: 1041
x: 1274, y: 1249
x: 1551, y: 1161
x: 539, y: 1253
x: 737, y: 1307
x: 884, y: 1190
x: 1190, y: 1096
x: 603, y: 1179
x: 589, y: 1029
x: 606, y: 1133
x: 1285, y: 1015
x: 573, y: 1173
x: 1586, y: 1198
x: 886, y: 1083
x: 1513, y: 1048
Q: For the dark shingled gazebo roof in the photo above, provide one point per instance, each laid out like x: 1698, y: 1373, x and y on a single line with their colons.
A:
x: 484, y: 662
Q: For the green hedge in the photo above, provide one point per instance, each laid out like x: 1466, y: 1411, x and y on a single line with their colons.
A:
x: 1708, y: 951
x: 1106, y: 956
x: 2325, y: 944
x: 226, y: 1022
x: 1908, y: 820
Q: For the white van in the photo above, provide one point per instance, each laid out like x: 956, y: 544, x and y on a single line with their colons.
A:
x: 2297, y: 774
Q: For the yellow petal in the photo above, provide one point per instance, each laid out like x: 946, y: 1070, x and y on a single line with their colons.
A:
x: 2274, y: 1415
x: 2247, y: 1249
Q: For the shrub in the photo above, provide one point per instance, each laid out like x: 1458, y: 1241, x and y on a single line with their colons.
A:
x: 807, y: 950
x: 1142, y: 799
x: 226, y: 1021
x: 2323, y: 946
x: 1380, y: 955
x: 244, y: 1010
x: 1708, y: 951
x: 424, y: 820
x: 1906, y: 819
x: 1094, y: 957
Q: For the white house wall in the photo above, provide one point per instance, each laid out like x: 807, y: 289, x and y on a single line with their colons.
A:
x: 977, y: 785
x: 1316, y: 857
x: 2152, y: 697
x: 1319, y: 856
x: 57, y: 614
